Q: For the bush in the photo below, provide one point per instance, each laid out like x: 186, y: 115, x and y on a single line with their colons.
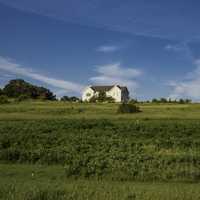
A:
x: 22, y: 97
x: 128, y: 108
x: 133, y: 101
x: 102, y: 98
x: 70, y: 99
x: 3, y: 99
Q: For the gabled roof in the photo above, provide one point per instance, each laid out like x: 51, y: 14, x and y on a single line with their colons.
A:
x: 107, y: 88
x: 102, y: 88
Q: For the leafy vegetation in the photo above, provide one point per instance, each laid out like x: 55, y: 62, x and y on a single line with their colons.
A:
x: 18, y: 88
x: 123, y: 150
x: 36, y: 182
x: 128, y: 108
x: 102, y: 97
x: 3, y: 99
x: 164, y: 100
x: 1, y: 92
x: 88, y: 150
x: 133, y: 101
x: 22, y: 97
x: 70, y: 99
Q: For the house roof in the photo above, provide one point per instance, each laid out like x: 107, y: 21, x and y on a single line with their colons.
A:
x: 124, y: 89
x: 102, y: 88
x: 106, y: 88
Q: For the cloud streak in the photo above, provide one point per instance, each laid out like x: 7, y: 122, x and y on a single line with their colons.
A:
x: 182, y: 49
x: 107, y: 48
x: 11, y: 67
x: 116, y: 74
x: 133, y: 17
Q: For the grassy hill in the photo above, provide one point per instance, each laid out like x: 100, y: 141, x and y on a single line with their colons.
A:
x: 92, y: 143
x: 51, y: 110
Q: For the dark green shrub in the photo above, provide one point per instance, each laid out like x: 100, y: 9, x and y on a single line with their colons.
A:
x: 3, y: 99
x: 128, y: 108
x: 70, y: 99
x: 101, y: 98
x: 1, y: 92
x: 65, y: 98
x: 133, y: 101
x: 18, y: 87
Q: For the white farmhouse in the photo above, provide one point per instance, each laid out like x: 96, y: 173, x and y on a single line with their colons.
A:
x: 118, y: 93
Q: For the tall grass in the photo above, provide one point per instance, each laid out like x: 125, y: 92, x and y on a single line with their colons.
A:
x: 94, y: 153
x: 101, y: 190
x: 145, y: 150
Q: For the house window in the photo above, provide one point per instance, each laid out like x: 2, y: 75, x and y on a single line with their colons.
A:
x: 88, y: 94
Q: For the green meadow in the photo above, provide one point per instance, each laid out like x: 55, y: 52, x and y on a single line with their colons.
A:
x: 58, y: 150
x: 51, y: 110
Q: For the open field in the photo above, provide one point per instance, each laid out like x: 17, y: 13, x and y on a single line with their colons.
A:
x: 89, y: 151
x: 51, y: 110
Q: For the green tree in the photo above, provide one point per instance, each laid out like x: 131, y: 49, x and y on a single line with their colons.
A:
x: 155, y: 100
x: 1, y: 92
x: 102, y: 96
x: 65, y: 98
x: 70, y: 99
x: 3, y: 99
x: 18, y: 87
x: 74, y: 99
x: 188, y: 100
x: 133, y: 101
x: 163, y: 100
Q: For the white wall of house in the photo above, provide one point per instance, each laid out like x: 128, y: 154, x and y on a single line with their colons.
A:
x: 88, y: 93
x: 115, y: 93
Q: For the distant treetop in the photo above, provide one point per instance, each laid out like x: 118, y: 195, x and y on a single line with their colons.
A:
x: 18, y: 87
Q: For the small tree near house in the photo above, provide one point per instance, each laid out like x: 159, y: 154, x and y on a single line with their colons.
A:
x: 101, y: 97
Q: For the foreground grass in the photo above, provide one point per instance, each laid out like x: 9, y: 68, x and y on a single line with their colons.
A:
x: 137, y: 150
x: 35, y: 182
x: 94, y: 153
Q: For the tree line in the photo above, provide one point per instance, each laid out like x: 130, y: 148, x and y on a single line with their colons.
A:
x: 19, y: 88
x: 163, y: 100
x: 22, y: 90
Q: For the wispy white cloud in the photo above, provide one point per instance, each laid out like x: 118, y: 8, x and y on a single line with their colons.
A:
x: 180, y: 48
x: 11, y: 67
x: 117, y: 74
x: 108, y: 48
x: 189, y: 87
x: 116, y: 70
x: 175, y: 47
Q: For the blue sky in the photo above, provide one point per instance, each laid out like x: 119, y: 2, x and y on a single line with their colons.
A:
x: 153, y: 47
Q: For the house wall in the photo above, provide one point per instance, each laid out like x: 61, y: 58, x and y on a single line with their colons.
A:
x: 88, y: 93
x: 115, y: 93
